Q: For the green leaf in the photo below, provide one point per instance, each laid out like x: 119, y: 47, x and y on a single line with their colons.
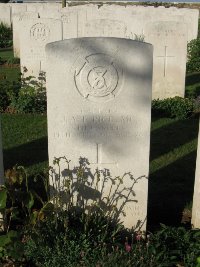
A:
x: 4, y: 240
x: 13, y: 234
x: 33, y: 217
x: 15, y: 213
x: 3, y: 198
x: 29, y: 201
x: 48, y: 207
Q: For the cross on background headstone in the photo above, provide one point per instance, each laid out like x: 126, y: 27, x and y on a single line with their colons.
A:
x: 165, y: 57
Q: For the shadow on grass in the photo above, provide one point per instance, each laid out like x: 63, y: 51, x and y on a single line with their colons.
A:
x: 170, y: 189
x: 192, y: 78
x: 27, y: 154
x: 172, y: 136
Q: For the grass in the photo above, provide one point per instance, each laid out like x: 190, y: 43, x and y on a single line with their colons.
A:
x: 25, y: 141
x: 172, y: 169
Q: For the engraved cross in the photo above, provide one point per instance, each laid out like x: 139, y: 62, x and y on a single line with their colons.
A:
x: 99, y: 157
x: 165, y: 57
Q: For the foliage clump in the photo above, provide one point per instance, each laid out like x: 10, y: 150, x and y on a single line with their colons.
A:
x: 193, y: 54
x: 46, y: 231
x: 26, y: 95
x: 193, y: 63
x: 176, y: 107
x: 5, y: 36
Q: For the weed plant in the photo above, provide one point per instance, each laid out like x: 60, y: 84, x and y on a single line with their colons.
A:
x: 176, y: 107
x: 26, y: 95
x: 61, y: 230
x: 5, y: 36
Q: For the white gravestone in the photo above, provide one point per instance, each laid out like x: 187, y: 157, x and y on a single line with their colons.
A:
x: 196, y: 196
x: 5, y: 14
x: 35, y: 35
x: 99, y: 107
x: 189, y: 18
x: 163, y: 27
x: 1, y: 160
x: 133, y: 17
x: 17, y: 8
x: 108, y: 21
x: 35, y: 7
x: 50, y: 13
x: 170, y: 53
x: 18, y: 23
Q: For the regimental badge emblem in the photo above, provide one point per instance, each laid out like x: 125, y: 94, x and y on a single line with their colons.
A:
x: 98, y: 78
x: 39, y: 32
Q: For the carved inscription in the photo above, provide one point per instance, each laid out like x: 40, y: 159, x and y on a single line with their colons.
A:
x: 97, y: 126
x: 39, y: 32
x: 137, y: 211
x: 99, y: 160
x: 101, y: 27
x: 98, y: 77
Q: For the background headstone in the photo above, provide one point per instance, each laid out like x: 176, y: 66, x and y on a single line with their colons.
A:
x: 35, y: 7
x: 168, y: 29
x: 35, y: 35
x: 17, y: 8
x: 99, y: 107
x: 50, y: 13
x: 90, y: 21
x: 5, y: 14
x: 189, y: 18
x: 196, y: 196
x: 18, y: 23
x: 169, y: 40
x: 52, y: 8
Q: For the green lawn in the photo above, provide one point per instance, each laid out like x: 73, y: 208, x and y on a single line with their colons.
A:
x: 25, y: 141
x: 172, y: 168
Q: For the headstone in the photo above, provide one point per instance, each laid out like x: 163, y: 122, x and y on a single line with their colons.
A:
x: 70, y: 20
x: 35, y: 7
x: 196, y: 196
x: 18, y: 23
x: 35, y: 35
x: 17, y: 8
x: 50, y: 13
x: 169, y: 40
x: 5, y: 14
x: 1, y: 160
x: 163, y: 27
x: 99, y: 107
x: 90, y: 21
x: 190, y: 17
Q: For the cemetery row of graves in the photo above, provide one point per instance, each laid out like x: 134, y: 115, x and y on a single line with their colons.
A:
x: 117, y: 121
